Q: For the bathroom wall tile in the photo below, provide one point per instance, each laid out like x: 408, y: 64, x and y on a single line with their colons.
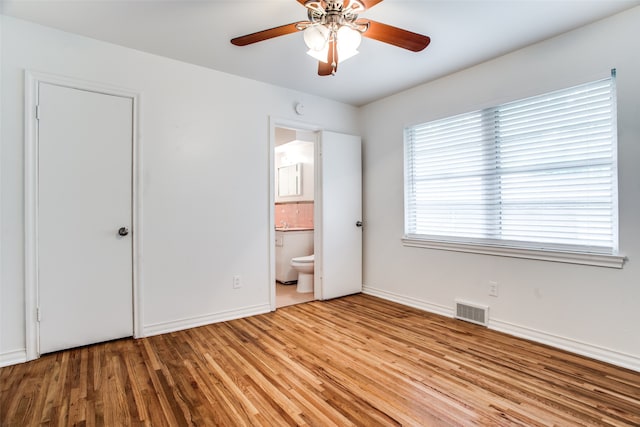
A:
x: 305, y: 215
x: 294, y: 215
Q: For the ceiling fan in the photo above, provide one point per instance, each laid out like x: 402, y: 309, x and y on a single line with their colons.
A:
x: 333, y: 32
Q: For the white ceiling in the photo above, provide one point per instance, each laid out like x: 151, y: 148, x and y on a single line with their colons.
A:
x: 463, y: 33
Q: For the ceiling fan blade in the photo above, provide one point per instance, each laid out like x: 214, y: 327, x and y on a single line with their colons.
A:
x: 324, y: 69
x: 370, y: 3
x: 259, y: 36
x: 396, y: 36
x: 330, y: 67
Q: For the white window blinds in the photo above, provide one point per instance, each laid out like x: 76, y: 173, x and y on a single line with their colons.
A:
x: 539, y: 173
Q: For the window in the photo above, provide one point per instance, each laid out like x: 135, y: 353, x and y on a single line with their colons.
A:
x: 538, y: 174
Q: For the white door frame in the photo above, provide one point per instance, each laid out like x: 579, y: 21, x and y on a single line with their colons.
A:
x: 275, y: 122
x: 32, y: 80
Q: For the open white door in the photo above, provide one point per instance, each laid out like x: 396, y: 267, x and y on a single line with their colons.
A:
x: 338, y: 258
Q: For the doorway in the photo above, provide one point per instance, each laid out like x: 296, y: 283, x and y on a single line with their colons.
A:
x: 294, y: 190
x: 80, y: 214
x: 337, y: 210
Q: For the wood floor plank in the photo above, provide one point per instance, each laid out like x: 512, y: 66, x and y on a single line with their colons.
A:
x: 354, y: 361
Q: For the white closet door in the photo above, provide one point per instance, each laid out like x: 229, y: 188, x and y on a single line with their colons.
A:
x: 85, y: 287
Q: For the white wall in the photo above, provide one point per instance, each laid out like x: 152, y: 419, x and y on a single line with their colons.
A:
x: 590, y: 310
x: 205, y: 155
x: 205, y: 140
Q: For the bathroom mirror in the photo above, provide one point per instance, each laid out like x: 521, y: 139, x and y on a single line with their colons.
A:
x: 289, y: 180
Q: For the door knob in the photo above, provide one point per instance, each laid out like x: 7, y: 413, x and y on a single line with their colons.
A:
x: 123, y: 231
x: 358, y: 223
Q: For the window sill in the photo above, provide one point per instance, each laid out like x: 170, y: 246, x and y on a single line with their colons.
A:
x: 599, y: 260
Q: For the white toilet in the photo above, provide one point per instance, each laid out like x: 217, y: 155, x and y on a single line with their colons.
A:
x: 304, y: 266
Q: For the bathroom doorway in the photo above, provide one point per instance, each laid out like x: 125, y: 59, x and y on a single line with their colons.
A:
x: 293, y: 213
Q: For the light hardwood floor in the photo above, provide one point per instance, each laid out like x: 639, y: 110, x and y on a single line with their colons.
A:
x: 357, y: 360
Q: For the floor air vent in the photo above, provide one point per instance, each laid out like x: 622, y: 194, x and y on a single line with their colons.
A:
x: 474, y: 313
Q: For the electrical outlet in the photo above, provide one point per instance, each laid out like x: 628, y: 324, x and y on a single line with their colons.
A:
x: 237, y: 283
x: 493, y: 289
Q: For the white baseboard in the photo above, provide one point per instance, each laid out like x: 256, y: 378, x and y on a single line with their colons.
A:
x: 13, y: 357
x: 192, y: 322
x: 409, y: 301
x: 584, y: 349
x: 20, y: 356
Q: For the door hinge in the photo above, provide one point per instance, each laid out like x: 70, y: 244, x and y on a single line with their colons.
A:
x: 38, y: 314
x: 38, y: 112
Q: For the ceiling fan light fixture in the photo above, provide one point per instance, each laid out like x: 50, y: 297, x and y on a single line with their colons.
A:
x: 333, y: 32
x: 348, y: 42
x: 320, y: 55
x: 344, y: 55
x: 316, y: 37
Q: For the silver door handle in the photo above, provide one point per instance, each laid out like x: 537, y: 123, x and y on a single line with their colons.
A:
x: 358, y: 223
x: 123, y: 231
